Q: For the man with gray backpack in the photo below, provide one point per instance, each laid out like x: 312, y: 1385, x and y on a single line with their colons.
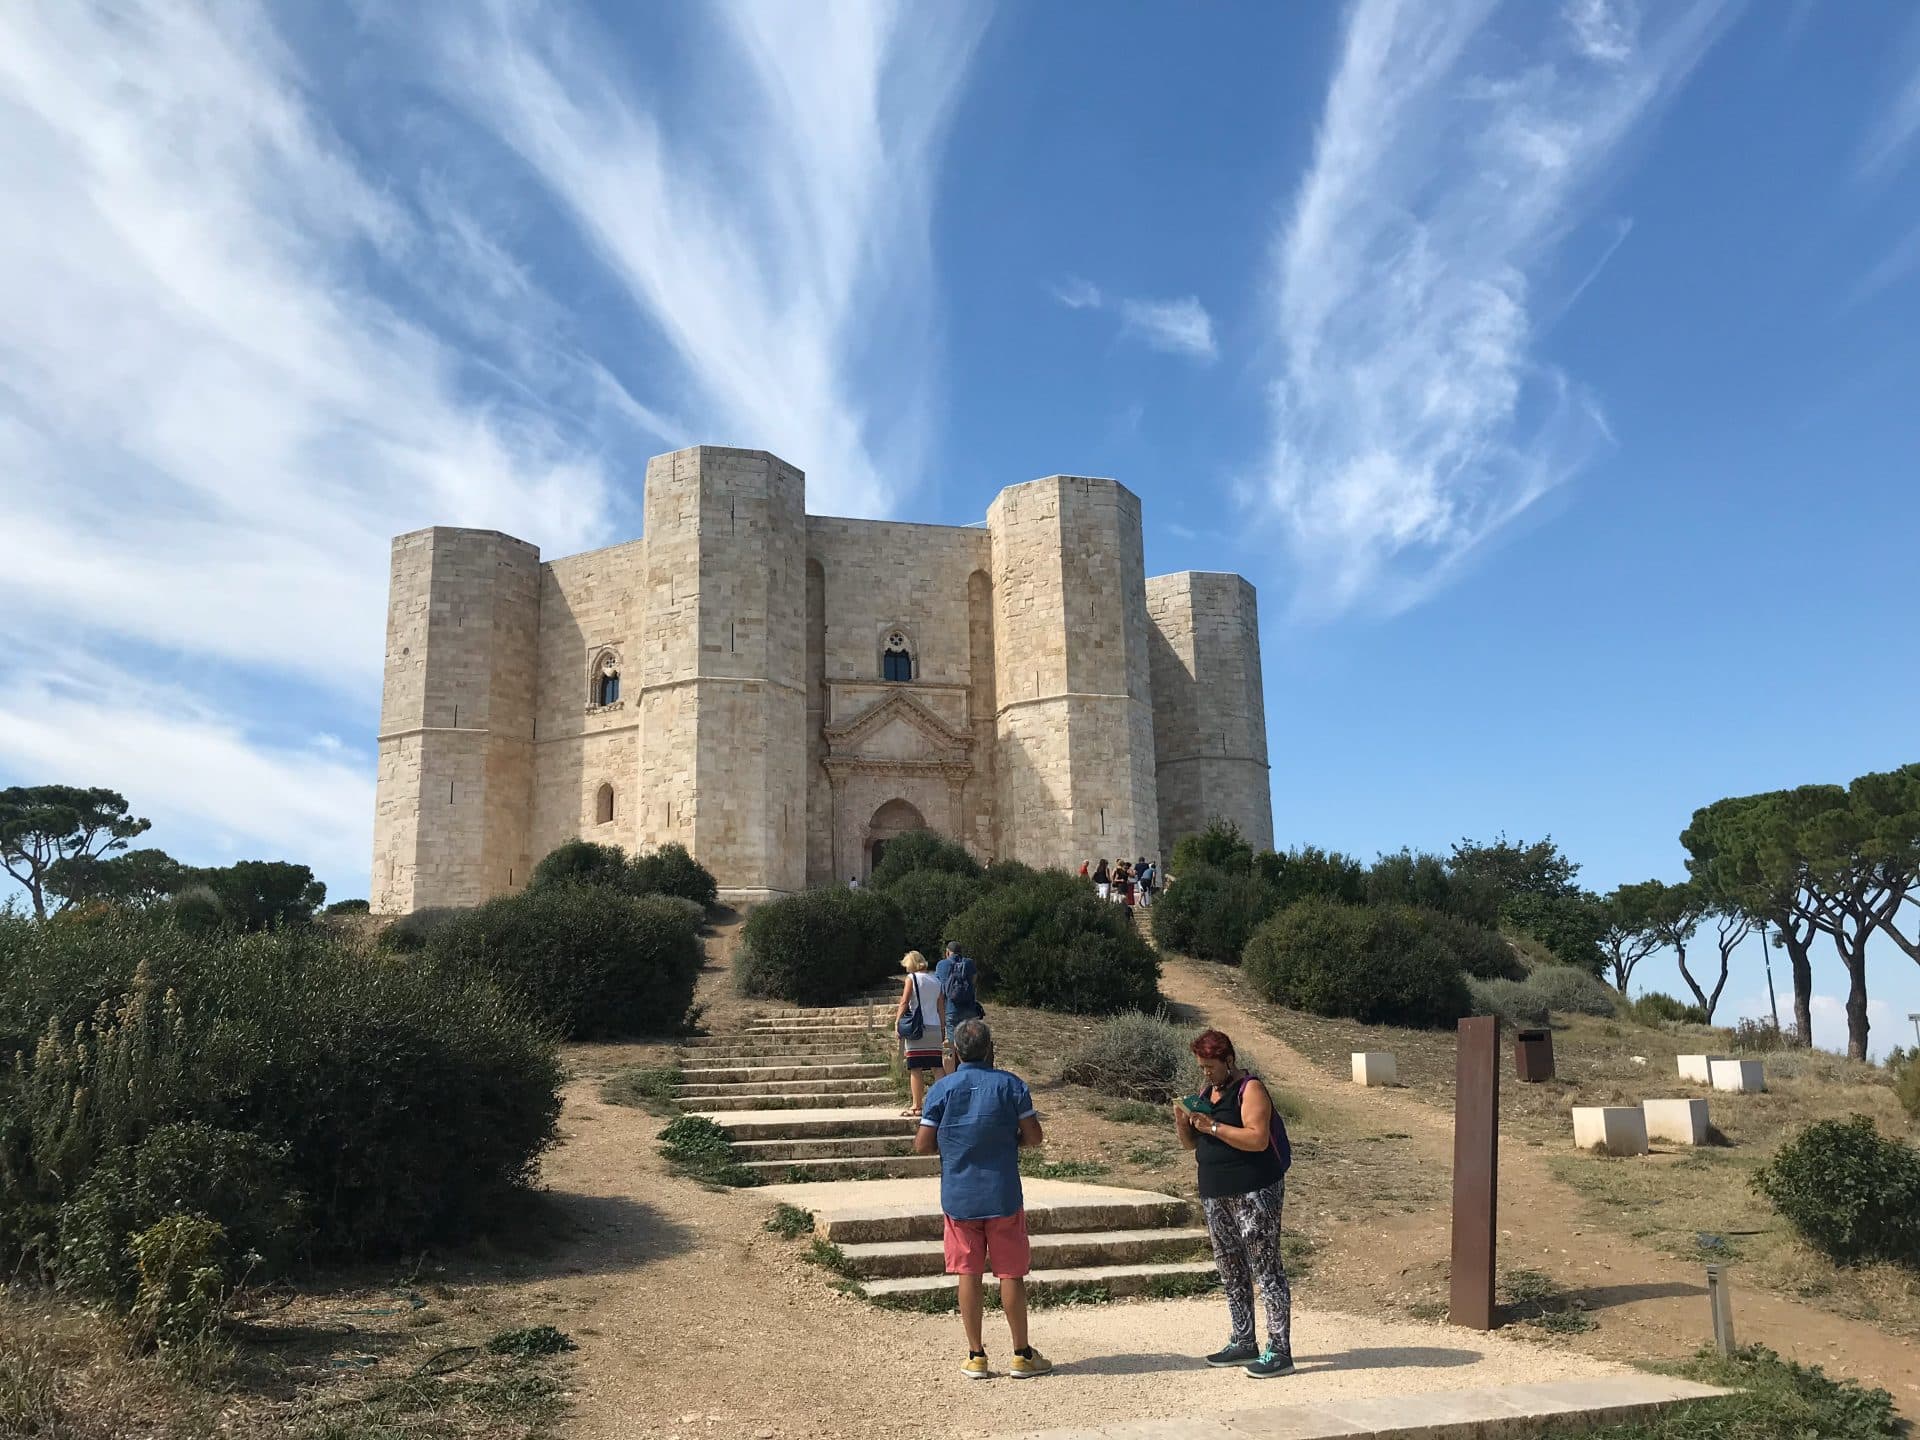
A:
x: 958, y: 977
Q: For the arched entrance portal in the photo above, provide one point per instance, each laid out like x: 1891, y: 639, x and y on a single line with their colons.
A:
x: 892, y: 819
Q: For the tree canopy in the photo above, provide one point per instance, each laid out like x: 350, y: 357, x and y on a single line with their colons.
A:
x: 43, y: 825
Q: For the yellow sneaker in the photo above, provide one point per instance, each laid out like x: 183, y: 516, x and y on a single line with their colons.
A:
x: 976, y: 1368
x: 1024, y: 1367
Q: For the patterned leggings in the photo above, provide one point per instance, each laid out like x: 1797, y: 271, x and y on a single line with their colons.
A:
x: 1245, y: 1231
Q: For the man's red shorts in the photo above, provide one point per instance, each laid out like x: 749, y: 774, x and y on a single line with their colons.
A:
x: 973, y: 1244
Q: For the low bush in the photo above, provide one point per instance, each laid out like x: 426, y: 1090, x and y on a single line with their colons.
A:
x: 1906, y: 1085
x: 1569, y: 990
x: 1211, y: 914
x: 1427, y: 882
x: 1381, y: 966
x: 285, y: 1086
x: 670, y: 870
x: 819, y: 947
x: 591, y: 959
x: 1848, y: 1191
x: 1656, y: 1008
x: 928, y: 900
x: 1482, y: 953
x: 1220, y: 846
x: 1307, y: 872
x: 1515, y: 1002
x: 409, y: 934
x: 1763, y: 1037
x: 1132, y: 1057
x: 1051, y: 943
x: 1770, y: 1399
x: 919, y: 850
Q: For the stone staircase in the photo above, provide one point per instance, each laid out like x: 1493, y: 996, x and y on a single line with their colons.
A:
x: 806, y: 1094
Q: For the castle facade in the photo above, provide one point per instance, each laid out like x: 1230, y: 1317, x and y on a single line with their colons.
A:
x: 782, y: 693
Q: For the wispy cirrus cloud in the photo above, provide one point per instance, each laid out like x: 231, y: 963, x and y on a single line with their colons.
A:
x: 783, y: 256
x: 1890, y: 138
x: 1461, y: 141
x: 240, y: 349
x: 1176, y: 327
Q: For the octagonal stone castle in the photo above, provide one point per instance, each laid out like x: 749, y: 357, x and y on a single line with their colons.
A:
x: 782, y: 692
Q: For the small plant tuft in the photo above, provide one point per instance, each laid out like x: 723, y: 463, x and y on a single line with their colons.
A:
x: 1137, y: 1057
x: 790, y: 1222
x: 530, y: 1343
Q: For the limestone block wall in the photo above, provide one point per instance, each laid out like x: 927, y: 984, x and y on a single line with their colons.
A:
x: 723, y: 703
x: 1074, y: 718
x: 454, y: 777
x: 1209, y: 709
x: 871, y: 578
x: 590, y: 605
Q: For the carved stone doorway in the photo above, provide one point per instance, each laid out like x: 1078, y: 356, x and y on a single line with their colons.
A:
x: 891, y: 820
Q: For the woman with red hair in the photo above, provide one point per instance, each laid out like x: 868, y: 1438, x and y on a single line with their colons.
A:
x: 1240, y: 1146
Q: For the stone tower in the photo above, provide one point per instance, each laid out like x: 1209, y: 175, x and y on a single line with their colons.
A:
x: 723, y: 698
x: 456, y: 720
x: 1073, y: 741
x: 1209, y: 713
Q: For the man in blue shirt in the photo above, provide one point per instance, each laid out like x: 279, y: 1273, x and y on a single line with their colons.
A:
x: 959, y: 983
x: 977, y: 1119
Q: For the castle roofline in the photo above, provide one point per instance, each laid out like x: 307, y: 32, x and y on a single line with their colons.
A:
x: 466, y: 530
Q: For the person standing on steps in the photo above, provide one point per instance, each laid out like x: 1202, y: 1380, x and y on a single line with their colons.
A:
x: 1101, y: 880
x: 959, y: 984
x: 920, y: 1001
x: 976, y: 1120
x: 1240, y: 1146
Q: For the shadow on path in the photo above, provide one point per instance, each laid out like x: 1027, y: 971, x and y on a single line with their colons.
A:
x: 1425, y: 1357
x: 559, y: 1233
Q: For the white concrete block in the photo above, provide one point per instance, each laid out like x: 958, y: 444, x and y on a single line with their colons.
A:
x: 1684, y: 1122
x: 1696, y: 1068
x: 1741, y: 1077
x: 1374, y: 1067
x: 1615, y: 1129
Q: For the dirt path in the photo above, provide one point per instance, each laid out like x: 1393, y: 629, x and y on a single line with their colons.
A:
x: 1648, y: 1305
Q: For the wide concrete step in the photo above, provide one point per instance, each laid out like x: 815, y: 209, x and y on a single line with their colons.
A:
x: 815, y: 1033
x: 820, y: 1020
x: 1070, y: 1250
x: 812, y: 1099
x: 1123, y: 1210
x: 853, y: 1085
x: 738, y: 1055
x: 864, y: 1167
x: 833, y: 1012
x: 773, y: 1124
x: 747, y: 1074
x: 1116, y: 1280
x: 832, y: 1147
x: 769, y: 1045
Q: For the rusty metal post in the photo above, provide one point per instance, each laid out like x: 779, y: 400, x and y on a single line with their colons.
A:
x: 1476, y: 1171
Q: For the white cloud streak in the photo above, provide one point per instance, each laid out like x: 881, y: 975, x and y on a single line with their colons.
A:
x: 1414, y: 418
x: 1175, y: 327
x: 1891, y: 136
x: 784, y: 255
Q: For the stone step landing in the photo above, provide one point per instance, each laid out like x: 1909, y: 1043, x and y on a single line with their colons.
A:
x: 1081, y: 1210
x: 1066, y: 1250
x: 748, y: 1074
x: 1507, y: 1412
x: 854, y: 1167
x: 809, y: 1124
x: 811, y: 1099
x: 1119, y: 1281
x: 843, y: 1085
x: 769, y: 1045
x: 831, y: 1147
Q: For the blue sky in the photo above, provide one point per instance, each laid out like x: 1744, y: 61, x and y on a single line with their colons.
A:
x: 1549, y: 368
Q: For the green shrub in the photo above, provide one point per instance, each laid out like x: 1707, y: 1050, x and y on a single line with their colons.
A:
x: 928, y: 900
x: 182, y: 1285
x: 409, y: 934
x: 1006, y: 872
x: 347, y: 907
x: 672, y: 870
x: 1848, y: 1191
x: 229, y: 1177
x: 1569, y: 990
x: 1906, y: 1085
x: 1655, y: 1008
x: 1211, y: 914
x: 196, y: 910
x: 1515, y: 1002
x: 819, y: 947
x: 1220, y: 846
x: 1132, y: 1057
x: 1481, y: 952
x: 1771, y: 1399
x: 398, y: 1100
x: 919, y: 850
x: 1427, y: 882
x: 1309, y: 872
x: 1385, y: 966
x: 695, y: 1146
x: 591, y: 959
x: 1050, y: 942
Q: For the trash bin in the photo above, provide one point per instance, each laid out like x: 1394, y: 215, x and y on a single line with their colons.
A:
x: 1533, y: 1055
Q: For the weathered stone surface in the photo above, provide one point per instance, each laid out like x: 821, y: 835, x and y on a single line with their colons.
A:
x: 1741, y: 1077
x: 1375, y: 1067
x: 1615, y: 1129
x: 1682, y: 1122
x: 1695, y: 1067
x: 1054, y: 689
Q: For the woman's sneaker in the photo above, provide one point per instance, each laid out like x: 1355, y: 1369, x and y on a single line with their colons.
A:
x: 976, y: 1368
x: 1238, y: 1352
x: 1025, y: 1367
x: 1271, y: 1363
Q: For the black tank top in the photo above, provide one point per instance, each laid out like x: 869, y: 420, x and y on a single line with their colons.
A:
x: 1227, y: 1171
